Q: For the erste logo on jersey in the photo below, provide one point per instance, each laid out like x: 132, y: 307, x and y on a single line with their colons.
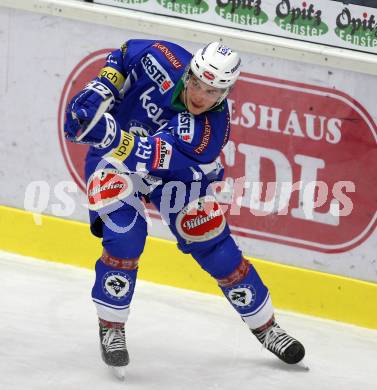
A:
x: 201, y: 220
x: 186, y: 126
x: 157, y: 73
x: 163, y: 154
x: 106, y: 187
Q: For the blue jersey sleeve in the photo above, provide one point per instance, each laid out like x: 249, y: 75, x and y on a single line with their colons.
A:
x: 120, y: 62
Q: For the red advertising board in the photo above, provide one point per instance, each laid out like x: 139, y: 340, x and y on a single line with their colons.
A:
x: 299, y: 167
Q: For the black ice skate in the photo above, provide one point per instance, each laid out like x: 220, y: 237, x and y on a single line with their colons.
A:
x: 113, y: 346
x: 277, y: 341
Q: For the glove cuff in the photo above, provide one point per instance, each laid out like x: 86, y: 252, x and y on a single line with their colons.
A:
x: 102, y: 89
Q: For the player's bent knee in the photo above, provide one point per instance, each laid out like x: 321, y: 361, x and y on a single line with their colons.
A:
x: 123, y: 247
x: 219, y: 259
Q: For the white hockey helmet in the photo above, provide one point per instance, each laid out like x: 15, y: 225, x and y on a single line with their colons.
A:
x: 216, y: 65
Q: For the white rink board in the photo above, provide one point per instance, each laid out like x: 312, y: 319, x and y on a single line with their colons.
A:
x: 50, y: 340
x: 32, y: 80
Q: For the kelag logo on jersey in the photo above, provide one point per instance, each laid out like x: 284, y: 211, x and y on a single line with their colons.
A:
x: 360, y: 31
x: 157, y: 73
x: 247, y: 13
x: 305, y: 20
x: 186, y: 126
x: 153, y: 111
x: 187, y: 7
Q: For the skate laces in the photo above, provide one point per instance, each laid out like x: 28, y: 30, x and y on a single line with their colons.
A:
x: 276, y: 339
x: 113, y: 339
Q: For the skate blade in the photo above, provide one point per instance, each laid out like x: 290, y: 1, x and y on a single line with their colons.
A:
x: 119, y: 372
x: 303, y: 365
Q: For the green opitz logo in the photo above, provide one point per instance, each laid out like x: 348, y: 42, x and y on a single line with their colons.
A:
x: 304, y: 21
x: 190, y: 7
x: 357, y: 31
x: 245, y: 12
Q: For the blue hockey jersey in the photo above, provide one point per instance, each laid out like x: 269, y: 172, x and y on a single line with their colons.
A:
x: 156, y: 133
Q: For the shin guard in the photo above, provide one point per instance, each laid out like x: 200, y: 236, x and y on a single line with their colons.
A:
x: 246, y: 292
x: 114, y: 287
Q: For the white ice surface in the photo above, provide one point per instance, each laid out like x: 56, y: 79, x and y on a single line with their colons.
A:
x: 177, y: 339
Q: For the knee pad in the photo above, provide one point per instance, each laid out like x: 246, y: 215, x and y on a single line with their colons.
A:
x: 248, y: 295
x: 124, y: 243
x: 114, y: 287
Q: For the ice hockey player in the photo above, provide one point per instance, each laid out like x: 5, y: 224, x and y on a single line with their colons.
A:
x: 155, y: 116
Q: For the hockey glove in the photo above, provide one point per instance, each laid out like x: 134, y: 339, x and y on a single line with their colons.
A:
x: 85, y: 110
x: 102, y: 134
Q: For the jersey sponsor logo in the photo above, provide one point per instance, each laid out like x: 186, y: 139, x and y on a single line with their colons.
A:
x: 206, y: 136
x: 153, y: 111
x: 186, y: 126
x: 116, y: 285
x: 106, y: 187
x: 157, y: 73
x: 201, y: 220
x: 116, y: 78
x: 125, y: 146
x: 163, y: 154
x: 169, y: 55
x: 144, y: 148
x: 227, y: 131
x: 242, y: 296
